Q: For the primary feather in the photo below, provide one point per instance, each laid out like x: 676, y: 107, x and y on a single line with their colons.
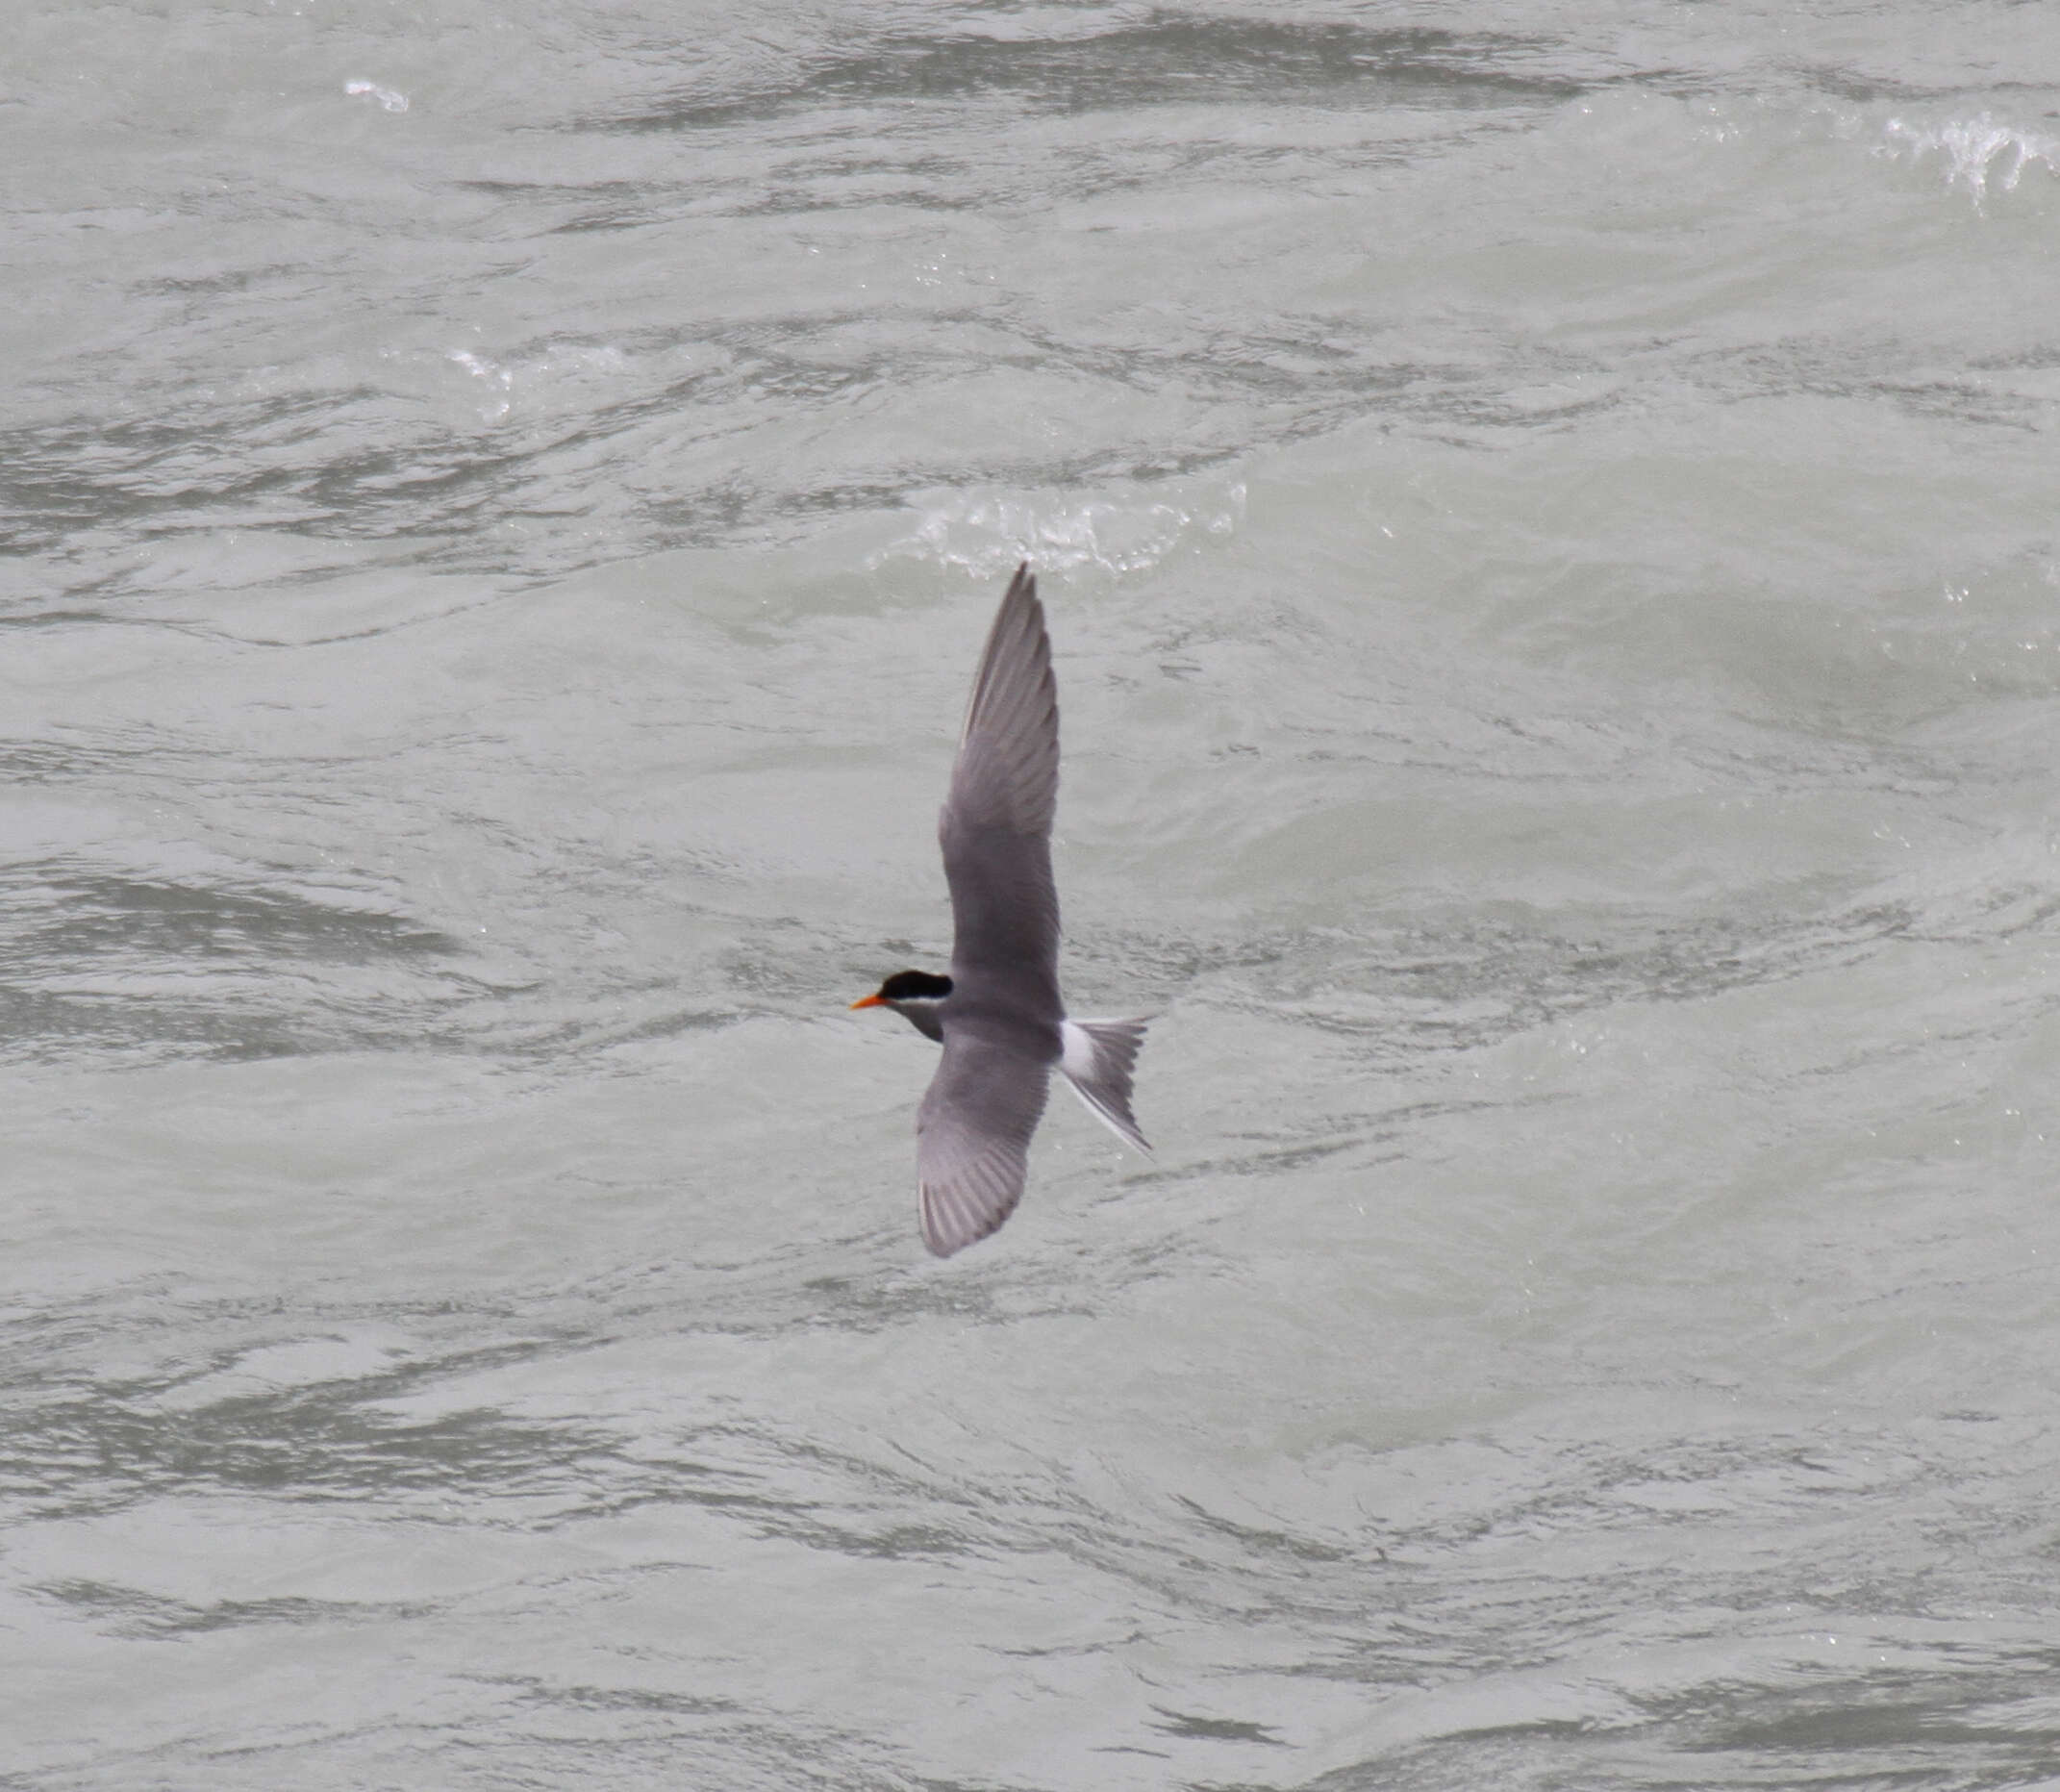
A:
x: 995, y: 824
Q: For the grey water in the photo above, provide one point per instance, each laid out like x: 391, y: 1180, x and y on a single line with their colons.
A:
x: 1548, y: 518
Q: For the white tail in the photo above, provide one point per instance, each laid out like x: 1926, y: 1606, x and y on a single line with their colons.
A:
x: 1098, y: 1057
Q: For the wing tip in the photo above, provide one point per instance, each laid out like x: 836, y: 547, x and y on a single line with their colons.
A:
x: 952, y: 1222
x: 1013, y: 712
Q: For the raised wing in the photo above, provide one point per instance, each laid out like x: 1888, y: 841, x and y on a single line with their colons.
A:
x: 996, y: 828
x: 972, y: 1139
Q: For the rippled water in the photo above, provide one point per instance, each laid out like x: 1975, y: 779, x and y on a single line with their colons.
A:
x: 1548, y: 514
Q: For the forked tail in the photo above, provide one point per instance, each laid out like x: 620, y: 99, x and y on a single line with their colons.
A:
x: 1098, y: 1058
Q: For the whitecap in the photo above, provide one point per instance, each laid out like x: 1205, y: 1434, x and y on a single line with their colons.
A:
x: 498, y: 380
x: 987, y: 534
x: 1978, y: 151
x: 388, y: 98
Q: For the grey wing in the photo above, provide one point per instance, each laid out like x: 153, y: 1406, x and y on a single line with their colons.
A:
x: 996, y: 828
x: 972, y: 1139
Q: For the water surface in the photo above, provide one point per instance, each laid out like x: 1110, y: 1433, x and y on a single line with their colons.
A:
x: 1547, y: 517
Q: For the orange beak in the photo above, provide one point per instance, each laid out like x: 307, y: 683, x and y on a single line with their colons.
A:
x: 868, y: 1001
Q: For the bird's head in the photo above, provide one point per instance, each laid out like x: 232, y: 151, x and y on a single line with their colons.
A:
x: 913, y: 995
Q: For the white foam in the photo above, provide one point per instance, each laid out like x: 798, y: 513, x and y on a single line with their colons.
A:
x: 987, y: 534
x: 559, y: 374
x: 1978, y: 151
x: 498, y: 380
x: 388, y: 100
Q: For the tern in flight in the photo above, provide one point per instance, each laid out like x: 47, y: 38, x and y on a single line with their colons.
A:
x: 998, y: 1014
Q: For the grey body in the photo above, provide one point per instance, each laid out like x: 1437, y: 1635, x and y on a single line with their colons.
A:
x: 1002, y: 1024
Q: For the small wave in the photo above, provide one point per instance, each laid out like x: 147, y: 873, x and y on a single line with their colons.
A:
x: 987, y: 535
x: 388, y: 100
x: 1978, y: 151
x: 570, y: 368
x: 499, y: 382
